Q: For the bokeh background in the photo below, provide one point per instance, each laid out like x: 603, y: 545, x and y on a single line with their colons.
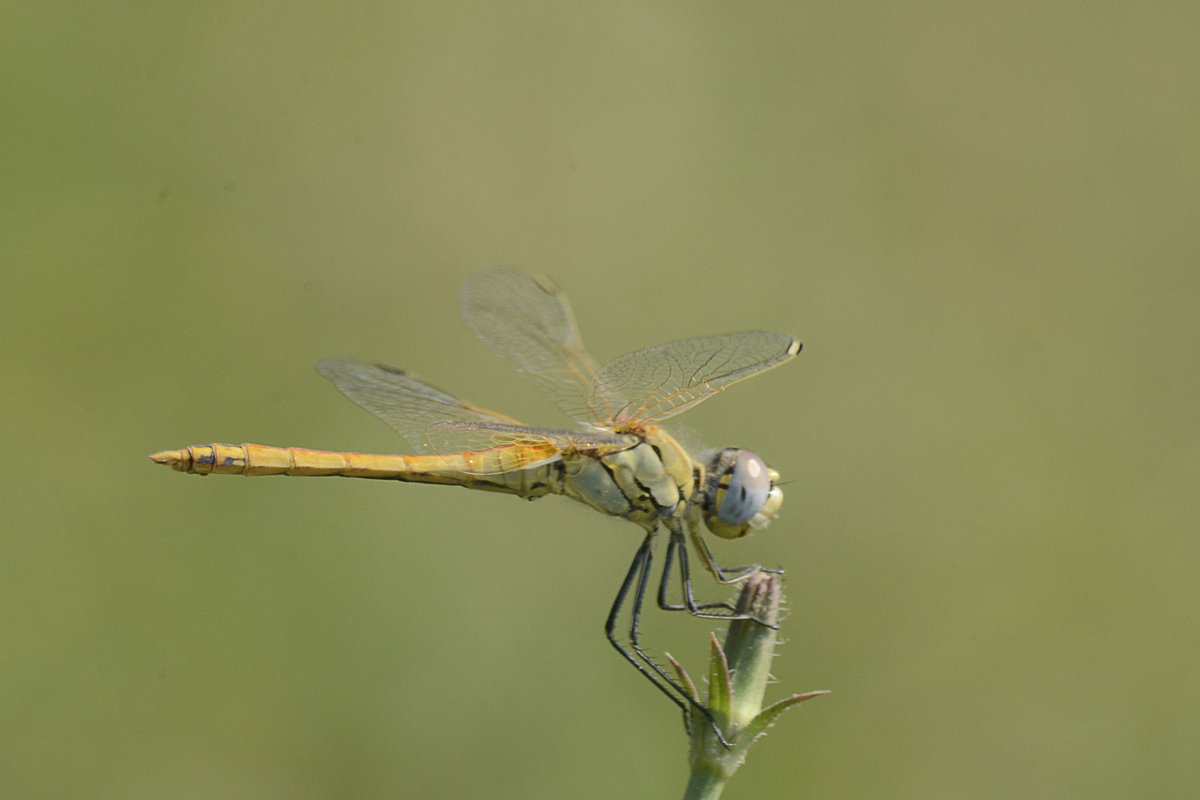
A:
x: 981, y: 220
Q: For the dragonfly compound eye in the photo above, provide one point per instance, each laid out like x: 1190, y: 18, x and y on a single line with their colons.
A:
x: 749, y: 485
x: 741, y: 494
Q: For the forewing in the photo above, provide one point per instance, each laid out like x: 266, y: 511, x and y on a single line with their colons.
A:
x: 651, y: 385
x: 410, y: 406
x: 527, y: 319
x: 525, y: 447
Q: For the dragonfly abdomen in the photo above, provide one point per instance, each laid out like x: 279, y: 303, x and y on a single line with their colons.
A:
x: 257, y: 459
x: 524, y: 470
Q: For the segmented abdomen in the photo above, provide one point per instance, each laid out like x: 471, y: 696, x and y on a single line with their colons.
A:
x: 519, y: 469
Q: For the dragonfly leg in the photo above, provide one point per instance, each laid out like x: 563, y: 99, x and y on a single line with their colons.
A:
x: 636, y: 578
x: 725, y: 575
x: 703, y: 611
x: 677, y: 544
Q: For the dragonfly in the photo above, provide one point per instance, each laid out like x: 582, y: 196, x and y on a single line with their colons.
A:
x: 617, y: 460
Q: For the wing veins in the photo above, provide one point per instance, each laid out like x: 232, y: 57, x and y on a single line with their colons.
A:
x: 657, y: 383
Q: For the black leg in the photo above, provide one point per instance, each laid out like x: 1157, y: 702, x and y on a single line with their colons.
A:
x: 639, y: 573
x: 728, y: 574
x: 679, y: 544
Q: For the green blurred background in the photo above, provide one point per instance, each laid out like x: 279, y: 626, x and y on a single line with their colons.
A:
x: 981, y: 220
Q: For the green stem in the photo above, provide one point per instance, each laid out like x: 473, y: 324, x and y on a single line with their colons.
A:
x: 705, y: 784
x: 738, y: 675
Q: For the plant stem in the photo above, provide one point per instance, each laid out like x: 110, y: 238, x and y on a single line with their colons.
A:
x: 737, y: 680
x: 705, y: 785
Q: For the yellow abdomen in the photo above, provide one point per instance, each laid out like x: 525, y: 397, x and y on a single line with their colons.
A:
x: 519, y: 469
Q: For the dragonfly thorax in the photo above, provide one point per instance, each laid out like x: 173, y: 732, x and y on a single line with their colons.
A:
x: 643, y: 483
x: 740, y: 493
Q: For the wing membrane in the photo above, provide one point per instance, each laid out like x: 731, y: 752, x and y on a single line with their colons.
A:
x: 528, y: 320
x: 651, y: 385
x: 409, y: 405
x: 484, y: 435
x: 432, y: 421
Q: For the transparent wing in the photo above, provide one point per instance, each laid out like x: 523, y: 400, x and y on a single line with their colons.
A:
x: 484, y: 435
x: 651, y: 385
x: 432, y: 421
x: 410, y: 406
x: 527, y: 319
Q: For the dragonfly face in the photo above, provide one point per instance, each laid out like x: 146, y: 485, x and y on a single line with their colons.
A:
x: 618, y: 460
x: 740, y: 493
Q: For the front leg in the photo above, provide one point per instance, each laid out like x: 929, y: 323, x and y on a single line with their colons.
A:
x: 724, y: 574
x: 677, y: 547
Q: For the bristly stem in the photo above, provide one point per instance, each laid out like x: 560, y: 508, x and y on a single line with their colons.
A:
x: 737, y: 681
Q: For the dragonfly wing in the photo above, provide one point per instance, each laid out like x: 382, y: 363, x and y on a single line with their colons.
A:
x: 651, y: 385
x: 410, y: 406
x: 522, y: 447
x: 527, y: 319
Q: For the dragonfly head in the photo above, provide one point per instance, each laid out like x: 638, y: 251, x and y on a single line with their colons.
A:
x: 740, y: 493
